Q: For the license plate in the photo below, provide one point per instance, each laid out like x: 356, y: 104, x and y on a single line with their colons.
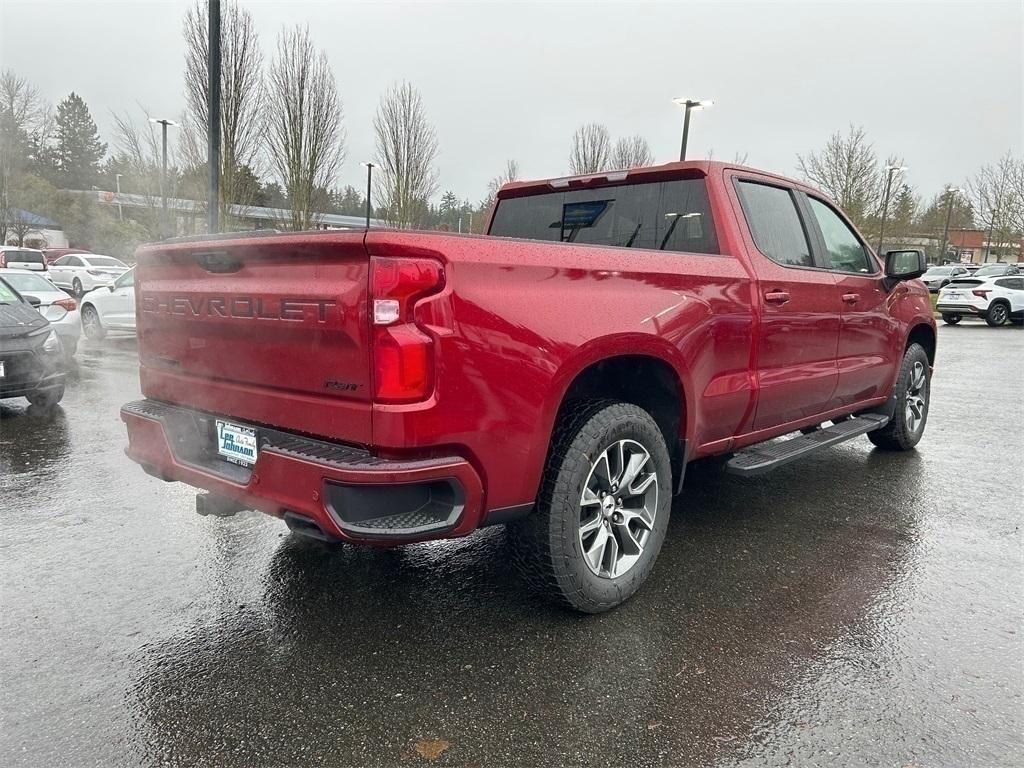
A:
x: 2, y: 372
x: 952, y: 295
x: 236, y: 444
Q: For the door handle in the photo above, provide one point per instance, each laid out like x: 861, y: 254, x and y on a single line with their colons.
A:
x: 776, y: 297
x: 851, y: 298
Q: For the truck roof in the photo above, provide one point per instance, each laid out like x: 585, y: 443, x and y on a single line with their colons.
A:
x: 663, y: 172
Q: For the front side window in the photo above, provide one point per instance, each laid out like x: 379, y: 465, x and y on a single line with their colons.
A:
x: 73, y: 261
x: 670, y: 216
x: 127, y: 280
x: 775, y: 224
x: 845, y: 251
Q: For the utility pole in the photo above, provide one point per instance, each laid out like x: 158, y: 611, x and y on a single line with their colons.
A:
x: 117, y: 184
x: 369, y: 188
x: 213, y: 114
x: 689, y: 105
x: 889, y: 171
x: 164, y: 224
x: 951, y: 193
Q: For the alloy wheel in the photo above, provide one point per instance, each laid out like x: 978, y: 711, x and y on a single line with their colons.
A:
x: 617, y: 508
x: 917, y: 397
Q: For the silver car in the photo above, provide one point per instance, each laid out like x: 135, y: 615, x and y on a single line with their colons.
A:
x: 54, y: 304
x: 938, y: 277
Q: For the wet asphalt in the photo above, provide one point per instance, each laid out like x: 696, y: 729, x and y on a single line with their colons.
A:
x: 858, y: 608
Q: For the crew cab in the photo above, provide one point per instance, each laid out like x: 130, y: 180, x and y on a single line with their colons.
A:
x: 558, y: 374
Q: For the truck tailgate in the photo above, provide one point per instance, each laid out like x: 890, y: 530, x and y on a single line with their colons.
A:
x: 269, y: 329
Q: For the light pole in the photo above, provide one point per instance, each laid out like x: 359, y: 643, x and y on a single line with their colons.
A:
x: 688, y: 105
x: 889, y: 171
x: 213, y: 137
x: 369, y: 183
x: 163, y: 174
x: 117, y: 183
x: 951, y: 193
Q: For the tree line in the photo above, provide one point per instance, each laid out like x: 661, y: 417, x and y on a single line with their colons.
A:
x: 283, y: 145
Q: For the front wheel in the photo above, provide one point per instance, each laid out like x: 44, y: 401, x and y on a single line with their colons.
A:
x: 47, y: 398
x: 950, y: 318
x: 997, y: 314
x: 92, y: 327
x: 912, y: 395
x: 603, y: 508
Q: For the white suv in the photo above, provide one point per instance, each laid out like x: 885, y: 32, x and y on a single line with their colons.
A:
x: 996, y: 299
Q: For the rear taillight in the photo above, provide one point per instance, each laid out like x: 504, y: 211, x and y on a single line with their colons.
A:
x: 68, y: 304
x: 96, y: 272
x: 982, y: 292
x: 403, y: 365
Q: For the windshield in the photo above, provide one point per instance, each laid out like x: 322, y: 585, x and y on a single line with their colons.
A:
x: 29, y: 282
x: 105, y: 261
x: 25, y: 257
x: 668, y: 216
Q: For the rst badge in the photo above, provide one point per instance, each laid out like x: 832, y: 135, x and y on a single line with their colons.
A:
x: 236, y: 444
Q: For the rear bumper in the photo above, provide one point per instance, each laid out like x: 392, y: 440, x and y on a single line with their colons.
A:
x: 347, y: 492
x: 959, y: 309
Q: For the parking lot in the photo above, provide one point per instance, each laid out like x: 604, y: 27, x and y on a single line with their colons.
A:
x: 858, y: 608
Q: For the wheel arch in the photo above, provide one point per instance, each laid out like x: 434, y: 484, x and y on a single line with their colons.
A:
x: 923, y: 334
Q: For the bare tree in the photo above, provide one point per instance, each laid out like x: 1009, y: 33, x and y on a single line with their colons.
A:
x: 511, y: 173
x: 139, y: 152
x: 305, y: 136
x: 24, y: 120
x: 591, y: 149
x: 241, y: 99
x: 847, y: 170
x: 406, y: 152
x: 632, y: 152
x: 997, y: 197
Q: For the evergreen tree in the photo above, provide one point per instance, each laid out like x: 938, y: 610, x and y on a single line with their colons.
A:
x: 78, y: 151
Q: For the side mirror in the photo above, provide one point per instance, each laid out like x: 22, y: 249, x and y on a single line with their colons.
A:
x: 33, y: 300
x: 905, y: 264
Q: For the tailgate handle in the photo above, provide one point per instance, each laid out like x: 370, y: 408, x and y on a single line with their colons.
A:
x: 218, y: 261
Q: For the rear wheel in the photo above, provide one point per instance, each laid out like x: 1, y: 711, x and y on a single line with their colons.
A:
x: 603, y: 508
x: 92, y: 327
x: 951, y: 319
x: 997, y: 314
x: 912, y: 394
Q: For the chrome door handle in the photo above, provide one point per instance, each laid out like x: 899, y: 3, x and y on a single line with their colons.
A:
x: 851, y: 298
x: 776, y: 297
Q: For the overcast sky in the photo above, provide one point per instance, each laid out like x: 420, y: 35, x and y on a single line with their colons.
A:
x: 939, y: 83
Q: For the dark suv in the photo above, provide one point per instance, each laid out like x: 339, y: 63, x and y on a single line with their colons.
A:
x: 31, y: 356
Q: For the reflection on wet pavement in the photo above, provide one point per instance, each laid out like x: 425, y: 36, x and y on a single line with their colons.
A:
x: 857, y: 608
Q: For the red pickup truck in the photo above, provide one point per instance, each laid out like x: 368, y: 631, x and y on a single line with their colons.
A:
x: 389, y: 387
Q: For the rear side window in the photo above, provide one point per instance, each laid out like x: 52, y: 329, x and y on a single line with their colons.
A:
x: 775, y: 224
x: 845, y: 251
x: 670, y: 216
x: 1013, y: 283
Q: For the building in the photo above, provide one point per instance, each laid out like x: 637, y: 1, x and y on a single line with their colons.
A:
x: 44, y: 232
x: 190, y: 215
x: 971, y: 246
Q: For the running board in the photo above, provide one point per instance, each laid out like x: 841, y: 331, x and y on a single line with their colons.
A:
x: 765, y: 457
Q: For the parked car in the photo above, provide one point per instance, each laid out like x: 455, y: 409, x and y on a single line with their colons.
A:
x: 52, y: 254
x: 387, y: 386
x: 54, y: 304
x: 111, y: 308
x: 81, y: 272
x: 13, y: 257
x: 995, y: 299
x: 937, y: 277
x: 31, y: 357
x: 996, y: 270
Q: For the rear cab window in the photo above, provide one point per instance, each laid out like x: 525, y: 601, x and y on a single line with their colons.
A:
x: 668, y: 215
x: 775, y: 224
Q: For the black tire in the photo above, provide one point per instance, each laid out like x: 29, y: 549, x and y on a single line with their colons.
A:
x: 998, y: 313
x: 76, y: 288
x: 548, y: 545
x: 92, y: 327
x: 899, y: 434
x: 950, y: 318
x: 46, y: 398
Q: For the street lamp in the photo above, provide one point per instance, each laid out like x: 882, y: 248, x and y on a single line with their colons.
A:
x: 951, y: 193
x: 369, y: 180
x: 890, y: 170
x: 117, y: 184
x: 688, y: 105
x: 163, y: 174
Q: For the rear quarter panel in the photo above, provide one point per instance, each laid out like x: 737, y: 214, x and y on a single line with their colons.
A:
x: 518, y: 320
